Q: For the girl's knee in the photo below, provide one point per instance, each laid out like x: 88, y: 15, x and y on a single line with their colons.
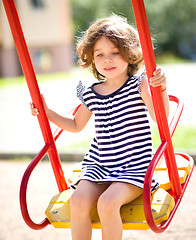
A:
x: 107, y: 206
x: 79, y: 202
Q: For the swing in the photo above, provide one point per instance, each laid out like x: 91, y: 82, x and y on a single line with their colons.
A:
x: 174, y: 169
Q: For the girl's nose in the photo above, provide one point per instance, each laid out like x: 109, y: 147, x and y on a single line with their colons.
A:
x: 108, y: 60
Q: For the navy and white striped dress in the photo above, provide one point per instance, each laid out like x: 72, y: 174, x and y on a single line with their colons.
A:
x: 122, y: 147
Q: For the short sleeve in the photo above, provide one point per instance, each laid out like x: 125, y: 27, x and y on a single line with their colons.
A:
x: 80, y: 91
x: 143, y: 75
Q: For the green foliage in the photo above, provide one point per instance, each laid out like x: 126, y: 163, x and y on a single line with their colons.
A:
x: 86, y: 11
x: 172, y: 22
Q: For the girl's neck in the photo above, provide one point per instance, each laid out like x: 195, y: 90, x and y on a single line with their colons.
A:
x: 118, y: 81
x: 110, y: 85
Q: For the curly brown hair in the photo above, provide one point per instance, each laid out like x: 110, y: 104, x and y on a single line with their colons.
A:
x: 121, y: 34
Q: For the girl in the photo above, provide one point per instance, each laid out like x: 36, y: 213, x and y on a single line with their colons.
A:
x: 114, y: 168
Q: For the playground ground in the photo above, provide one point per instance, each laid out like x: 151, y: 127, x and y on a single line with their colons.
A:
x: 42, y: 188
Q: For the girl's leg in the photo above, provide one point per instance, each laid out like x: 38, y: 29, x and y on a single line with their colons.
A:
x: 82, y: 200
x: 109, y: 204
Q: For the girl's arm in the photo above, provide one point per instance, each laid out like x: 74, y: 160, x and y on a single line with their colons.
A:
x: 71, y: 124
x: 158, y: 79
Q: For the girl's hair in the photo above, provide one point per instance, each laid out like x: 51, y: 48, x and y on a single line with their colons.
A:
x: 121, y: 34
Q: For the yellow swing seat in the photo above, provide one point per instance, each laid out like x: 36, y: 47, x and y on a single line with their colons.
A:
x: 132, y: 214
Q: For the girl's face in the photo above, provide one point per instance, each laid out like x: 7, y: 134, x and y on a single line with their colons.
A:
x: 108, y: 60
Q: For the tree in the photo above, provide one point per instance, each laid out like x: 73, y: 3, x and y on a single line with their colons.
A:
x: 172, y: 22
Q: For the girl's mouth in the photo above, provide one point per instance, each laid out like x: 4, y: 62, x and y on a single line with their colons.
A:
x: 109, y: 68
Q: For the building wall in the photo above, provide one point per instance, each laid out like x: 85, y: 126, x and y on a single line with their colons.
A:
x: 47, y: 26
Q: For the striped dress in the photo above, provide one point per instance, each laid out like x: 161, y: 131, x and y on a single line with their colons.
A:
x: 122, y: 147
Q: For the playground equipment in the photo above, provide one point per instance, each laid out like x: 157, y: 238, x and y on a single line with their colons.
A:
x: 174, y: 169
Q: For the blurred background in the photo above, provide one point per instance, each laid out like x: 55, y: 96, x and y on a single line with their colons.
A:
x: 51, y: 29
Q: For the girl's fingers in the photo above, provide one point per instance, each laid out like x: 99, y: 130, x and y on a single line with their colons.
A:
x: 157, y: 71
x: 158, y: 79
x: 34, y: 111
x: 161, y: 80
x: 31, y: 105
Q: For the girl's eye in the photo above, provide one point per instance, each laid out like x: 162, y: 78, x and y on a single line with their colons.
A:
x: 100, y: 55
x: 115, y: 53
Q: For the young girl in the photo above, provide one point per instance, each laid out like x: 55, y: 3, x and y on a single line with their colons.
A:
x: 114, y: 168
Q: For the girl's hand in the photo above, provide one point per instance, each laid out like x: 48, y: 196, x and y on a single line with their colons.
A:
x: 159, y: 79
x: 34, y: 110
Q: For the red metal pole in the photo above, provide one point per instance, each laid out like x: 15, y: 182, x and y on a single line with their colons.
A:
x: 150, y: 63
x: 25, y: 180
x: 29, y: 74
x: 23, y: 192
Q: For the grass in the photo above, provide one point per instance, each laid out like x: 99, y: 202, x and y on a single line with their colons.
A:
x: 8, y: 82
x: 184, y: 138
x: 17, y: 81
x: 169, y: 58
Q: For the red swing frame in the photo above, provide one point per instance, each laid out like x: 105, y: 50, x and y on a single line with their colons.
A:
x: 166, y: 131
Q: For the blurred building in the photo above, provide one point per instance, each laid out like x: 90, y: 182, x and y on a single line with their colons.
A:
x: 47, y: 26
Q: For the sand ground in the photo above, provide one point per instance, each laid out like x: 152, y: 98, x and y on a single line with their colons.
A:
x: 42, y: 187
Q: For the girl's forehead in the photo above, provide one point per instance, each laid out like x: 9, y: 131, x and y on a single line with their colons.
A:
x: 103, y: 42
